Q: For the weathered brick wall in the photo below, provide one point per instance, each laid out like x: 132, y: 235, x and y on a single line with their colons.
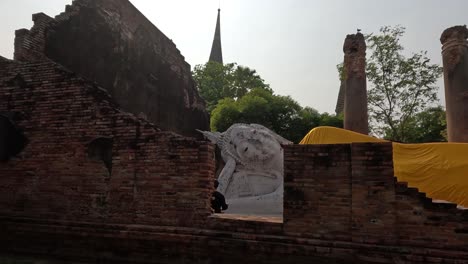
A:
x: 421, y: 223
x: 154, y: 177
x: 348, y: 193
x: 340, y: 192
x: 30, y: 44
x: 372, y: 194
x: 145, y: 199
x: 112, y: 43
x: 317, y: 198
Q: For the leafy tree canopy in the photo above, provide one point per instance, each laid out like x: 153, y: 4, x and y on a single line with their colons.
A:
x: 400, y: 87
x: 216, y: 81
x: 427, y: 126
x: 237, y: 94
x: 280, y: 113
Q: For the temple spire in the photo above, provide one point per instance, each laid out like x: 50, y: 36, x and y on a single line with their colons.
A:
x: 216, y: 51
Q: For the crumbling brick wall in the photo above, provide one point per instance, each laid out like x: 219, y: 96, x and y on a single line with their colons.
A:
x: 112, y: 43
x: 348, y: 193
x: 94, y: 184
x: 87, y: 160
x: 317, y: 191
x: 342, y: 192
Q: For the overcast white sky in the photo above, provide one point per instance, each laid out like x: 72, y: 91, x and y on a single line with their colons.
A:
x: 293, y: 44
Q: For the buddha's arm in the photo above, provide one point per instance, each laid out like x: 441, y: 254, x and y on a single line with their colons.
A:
x: 226, y: 174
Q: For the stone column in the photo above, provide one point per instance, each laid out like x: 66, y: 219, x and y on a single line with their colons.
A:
x: 355, y: 98
x: 455, y: 59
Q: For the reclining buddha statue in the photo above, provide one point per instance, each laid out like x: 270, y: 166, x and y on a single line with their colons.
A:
x: 252, y: 177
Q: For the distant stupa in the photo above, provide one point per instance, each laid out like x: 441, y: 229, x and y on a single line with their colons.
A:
x: 216, y: 51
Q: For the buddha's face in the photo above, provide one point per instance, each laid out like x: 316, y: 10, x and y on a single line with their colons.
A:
x: 251, y: 145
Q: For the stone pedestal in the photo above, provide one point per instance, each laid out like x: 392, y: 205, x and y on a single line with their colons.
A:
x: 455, y: 60
x: 355, y: 98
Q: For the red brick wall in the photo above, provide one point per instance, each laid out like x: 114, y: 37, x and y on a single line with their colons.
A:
x: 157, y: 177
x: 30, y: 44
x: 340, y: 192
x: 419, y: 222
x: 112, y: 43
x: 317, y: 198
x: 348, y: 193
x: 372, y: 194
x: 342, y: 204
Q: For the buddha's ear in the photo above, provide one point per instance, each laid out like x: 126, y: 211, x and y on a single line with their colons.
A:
x: 211, y: 136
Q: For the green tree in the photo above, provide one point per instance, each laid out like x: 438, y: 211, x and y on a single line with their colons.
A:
x: 257, y: 106
x: 216, y: 81
x: 327, y: 119
x: 306, y: 119
x: 427, y: 126
x: 279, y: 113
x: 341, y: 71
x: 225, y: 114
x: 237, y: 94
x: 401, y: 87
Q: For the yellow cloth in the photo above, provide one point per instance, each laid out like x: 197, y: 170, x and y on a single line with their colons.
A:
x: 438, y: 169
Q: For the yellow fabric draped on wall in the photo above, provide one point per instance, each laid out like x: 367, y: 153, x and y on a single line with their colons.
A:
x: 438, y: 169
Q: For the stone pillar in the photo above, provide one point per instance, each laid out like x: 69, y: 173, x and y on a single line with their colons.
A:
x: 455, y: 59
x: 355, y: 98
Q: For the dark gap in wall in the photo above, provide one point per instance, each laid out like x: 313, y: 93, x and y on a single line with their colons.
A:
x: 12, y: 140
x: 100, y: 149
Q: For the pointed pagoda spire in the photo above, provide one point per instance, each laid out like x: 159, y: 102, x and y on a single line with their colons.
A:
x: 216, y: 51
